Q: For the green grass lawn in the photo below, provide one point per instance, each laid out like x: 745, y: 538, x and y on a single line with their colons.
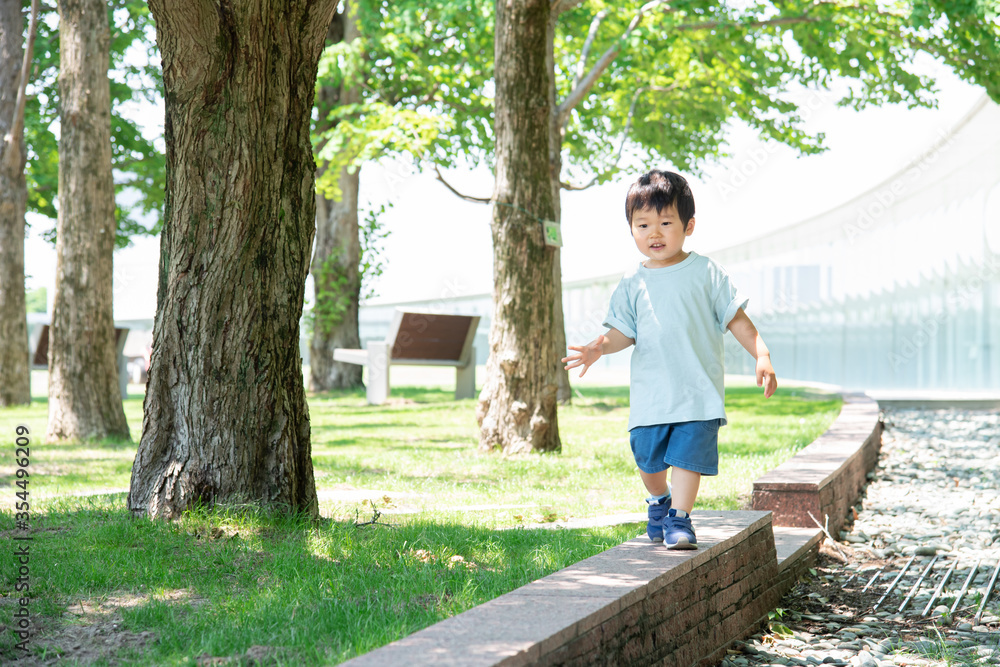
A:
x: 246, y: 583
x: 424, y: 446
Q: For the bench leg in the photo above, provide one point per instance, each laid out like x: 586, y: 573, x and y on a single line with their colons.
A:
x: 378, y: 373
x: 122, y: 371
x: 465, y: 378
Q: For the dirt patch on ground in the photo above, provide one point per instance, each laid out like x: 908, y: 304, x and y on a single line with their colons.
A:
x: 91, y: 631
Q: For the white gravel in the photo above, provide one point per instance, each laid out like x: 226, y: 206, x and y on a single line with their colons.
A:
x: 934, y: 497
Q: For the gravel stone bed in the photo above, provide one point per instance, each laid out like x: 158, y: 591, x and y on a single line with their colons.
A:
x: 932, y: 502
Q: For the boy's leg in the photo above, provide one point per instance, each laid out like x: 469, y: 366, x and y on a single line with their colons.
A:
x: 658, y: 503
x: 678, y: 533
x: 656, y: 482
x: 693, y: 451
x: 649, y: 445
x: 685, y: 488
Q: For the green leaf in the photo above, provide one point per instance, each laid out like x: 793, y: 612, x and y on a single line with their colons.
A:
x: 138, y: 161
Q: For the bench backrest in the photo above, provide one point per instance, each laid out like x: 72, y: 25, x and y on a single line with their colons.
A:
x: 41, y: 356
x: 432, y: 336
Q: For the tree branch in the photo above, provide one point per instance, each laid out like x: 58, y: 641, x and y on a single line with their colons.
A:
x: 478, y: 200
x: 580, y: 91
x: 12, y: 149
x: 584, y: 54
x: 628, y: 126
x: 374, y: 521
x: 587, y: 45
x: 560, y: 6
x: 429, y: 97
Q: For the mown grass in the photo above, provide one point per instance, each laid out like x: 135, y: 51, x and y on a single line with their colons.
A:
x: 424, y: 445
x: 220, y: 581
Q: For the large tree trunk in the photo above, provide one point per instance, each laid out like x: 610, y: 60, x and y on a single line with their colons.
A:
x: 225, y: 417
x: 84, y: 395
x: 517, y: 407
x: 15, y: 372
x: 336, y: 281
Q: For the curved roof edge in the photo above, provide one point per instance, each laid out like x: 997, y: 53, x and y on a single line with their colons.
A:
x: 722, y: 254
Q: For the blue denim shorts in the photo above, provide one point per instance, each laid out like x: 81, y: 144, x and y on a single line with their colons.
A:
x: 690, y: 446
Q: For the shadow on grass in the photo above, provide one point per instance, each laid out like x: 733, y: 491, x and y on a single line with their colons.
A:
x: 330, y: 467
x: 113, y: 444
x: 388, y: 445
x: 219, y: 582
x: 339, y: 428
x: 421, y: 395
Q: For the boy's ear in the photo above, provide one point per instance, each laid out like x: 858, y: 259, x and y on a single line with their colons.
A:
x: 690, y: 227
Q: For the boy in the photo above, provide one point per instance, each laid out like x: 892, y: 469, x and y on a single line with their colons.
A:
x: 675, y: 308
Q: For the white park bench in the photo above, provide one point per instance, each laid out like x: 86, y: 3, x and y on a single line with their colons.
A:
x: 419, y: 339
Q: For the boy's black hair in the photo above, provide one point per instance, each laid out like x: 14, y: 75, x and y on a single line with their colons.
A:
x: 659, y: 189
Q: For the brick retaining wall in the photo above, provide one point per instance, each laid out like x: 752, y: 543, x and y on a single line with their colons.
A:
x: 688, y: 617
x: 635, y: 604
x: 827, y: 477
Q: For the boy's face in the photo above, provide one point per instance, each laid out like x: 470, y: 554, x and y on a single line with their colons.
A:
x: 660, y: 236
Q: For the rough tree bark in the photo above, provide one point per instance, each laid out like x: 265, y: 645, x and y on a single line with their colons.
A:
x: 84, y: 394
x: 517, y: 407
x: 225, y: 417
x: 336, y: 281
x: 15, y: 371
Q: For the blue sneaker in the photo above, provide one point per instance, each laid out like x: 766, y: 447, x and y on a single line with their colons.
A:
x: 657, y: 512
x: 678, y: 533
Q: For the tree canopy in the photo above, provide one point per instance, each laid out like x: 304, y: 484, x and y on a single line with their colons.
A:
x: 135, y: 77
x: 661, y: 80
x: 670, y: 78
x: 425, y: 70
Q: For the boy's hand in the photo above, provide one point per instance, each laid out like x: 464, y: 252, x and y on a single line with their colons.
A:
x: 586, y: 355
x: 765, y: 375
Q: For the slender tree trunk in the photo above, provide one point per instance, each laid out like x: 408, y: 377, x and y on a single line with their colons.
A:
x: 225, y: 417
x: 336, y: 281
x: 15, y: 371
x: 564, y: 394
x: 517, y: 407
x: 84, y: 395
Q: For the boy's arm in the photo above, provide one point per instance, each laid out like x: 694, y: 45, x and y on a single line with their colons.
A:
x: 746, y: 333
x: 611, y: 342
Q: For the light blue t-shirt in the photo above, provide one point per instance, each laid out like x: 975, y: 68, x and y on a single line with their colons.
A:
x: 677, y: 315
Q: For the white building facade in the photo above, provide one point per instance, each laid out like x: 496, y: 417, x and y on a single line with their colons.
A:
x: 896, y: 289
